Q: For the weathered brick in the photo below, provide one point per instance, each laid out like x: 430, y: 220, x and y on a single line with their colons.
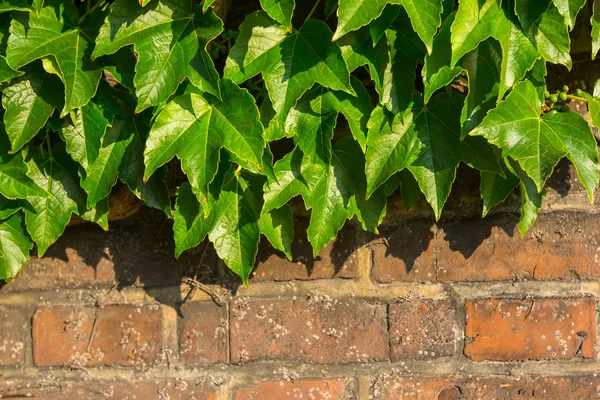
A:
x: 321, y: 389
x: 404, y: 253
x: 117, y: 390
x: 124, y: 335
x: 543, y: 328
x: 560, y: 246
x: 337, y: 260
x: 317, y: 329
x: 567, y: 388
x: 452, y: 388
x: 421, y: 330
x: 14, y: 328
x: 203, y: 333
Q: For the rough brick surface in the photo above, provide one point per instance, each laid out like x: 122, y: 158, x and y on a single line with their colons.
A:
x: 336, y: 260
x: 404, y: 253
x: 124, y: 335
x: 203, y: 334
x: 317, y: 329
x: 560, y: 246
x: 422, y: 329
x: 506, y: 329
x: 116, y: 390
x: 327, y: 389
x: 14, y: 328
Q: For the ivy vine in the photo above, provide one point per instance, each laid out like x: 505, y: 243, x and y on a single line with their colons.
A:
x: 98, y: 92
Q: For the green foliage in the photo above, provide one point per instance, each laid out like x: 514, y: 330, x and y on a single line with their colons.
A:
x: 98, y: 94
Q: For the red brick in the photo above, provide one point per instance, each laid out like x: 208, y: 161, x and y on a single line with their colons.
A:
x: 14, y: 328
x: 507, y: 330
x: 453, y: 388
x: 404, y: 253
x: 317, y: 329
x: 322, y: 389
x: 117, y: 390
x: 203, y: 333
x: 124, y: 335
x: 560, y: 246
x: 421, y: 330
x: 567, y: 388
x: 337, y: 260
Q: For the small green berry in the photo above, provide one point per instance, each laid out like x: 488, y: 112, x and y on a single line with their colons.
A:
x: 579, y: 92
x: 565, y: 89
x: 222, y: 49
x: 224, y: 36
x: 553, y: 98
x: 547, y: 94
x: 215, y: 54
x: 562, y: 96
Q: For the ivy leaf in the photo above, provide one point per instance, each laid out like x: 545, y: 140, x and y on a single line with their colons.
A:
x: 278, y: 227
x: 102, y: 175
x: 98, y: 213
x: 496, y: 188
x: 425, y: 18
x: 195, y: 128
x: 29, y: 101
x: 391, y: 146
x: 357, y: 48
x: 322, y: 62
x: 595, y: 21
x: 53, y: 32
x: 551, y: 37
x: 9, y: 207
x: 476, y: 22
x: 255, y: 49
x: 121, y: 65
x: 235, y: 232
x: 190, y: 226
x: 530, y: 11
x: 378, y: 27
x: 437, y: 72
x: 170, y: 38
x: 280, y: 10
x: 313, y: 120
x: 353, y: 14
x: 15, y: 5
x: 14, y: 246
x: 538, y: 143
x: 409, y: 187
x: 205, y: 6
x: 14, y: 182
x: 569, y: 9
x: 531, y: 199
x: 49, y: 216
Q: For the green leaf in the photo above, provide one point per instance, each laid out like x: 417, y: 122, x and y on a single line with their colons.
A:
x: 495, y: 188
x: 195, y: 128
x: 425, y: 18
x: 409, y: 188
x: 9, y: 207
x: 235, y: 232
x: 530, y: 12
x: 14, y: 246
x: 437, y: 72
x: 538, y: 143
x: 121, y: 65
x: 531, y: 199
x: 255, y: 49
x: 476, y: 21
x: 49, y: 216
x: 52, y: 32
x: 391, y: 145
x: 98, y: 213
x: 6, y: 72
x: 569, y: 9
x: 278, y: 227
x: 190, y: 226
x: 14, y: 5
x: 288, y: 78
x: 551, y: 38
x: 280, y: 10
x: 102, y: 175
x: 170, y: 37
x: 353, y: 14
x: 357, y: 48
x: 378, y: 27
x: 14, y: 182
x: 29, y: 101
x: 595, y: 21
x: 313, y: 120
x: 205, y: 6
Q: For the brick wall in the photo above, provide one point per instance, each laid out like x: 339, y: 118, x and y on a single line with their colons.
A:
x: 461, y: 309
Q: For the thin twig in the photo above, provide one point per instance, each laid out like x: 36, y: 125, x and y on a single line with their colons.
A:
x: 93, y: 332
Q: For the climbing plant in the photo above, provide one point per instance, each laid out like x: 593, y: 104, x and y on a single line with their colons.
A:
x: 99, y: 93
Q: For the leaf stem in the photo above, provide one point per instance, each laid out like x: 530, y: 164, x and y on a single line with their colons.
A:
x: 573, y: 97
x: 312, y: 10
x: 48, y: 142
x: 91, y: 10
